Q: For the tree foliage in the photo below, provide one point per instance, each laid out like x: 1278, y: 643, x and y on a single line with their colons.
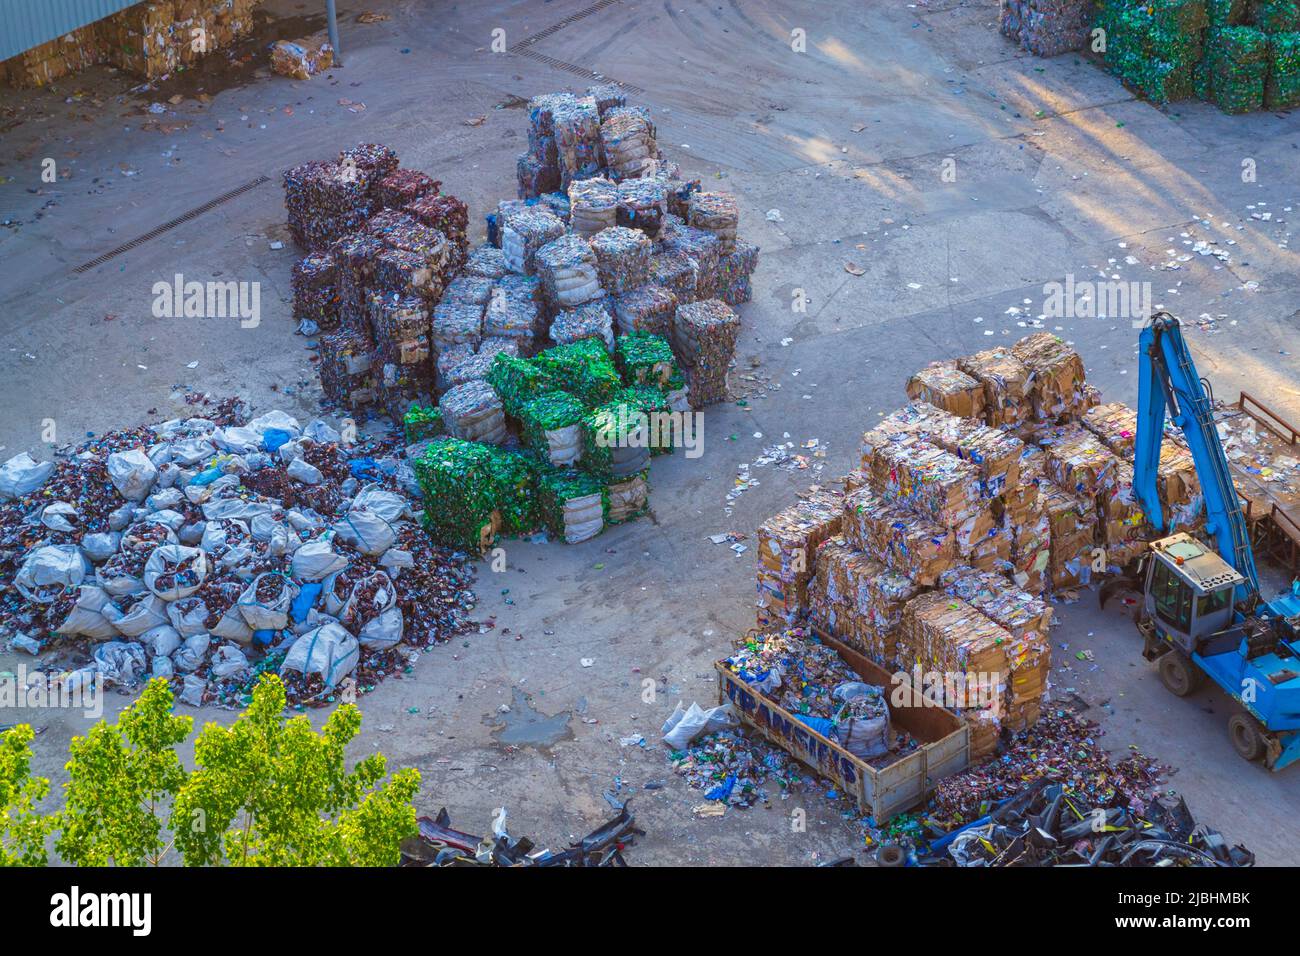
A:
x: 22, y: 829
x: 270, y: 791
x: 121, y: 777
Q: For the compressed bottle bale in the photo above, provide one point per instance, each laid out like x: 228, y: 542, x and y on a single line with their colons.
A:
x: 590, y: 321
x: 469, y: 368
x: 1277, y: 16
x: 628, y: 138
x: 908, y: 543
x: 405, y: 273
x: 534, y: 176
x: 1056, y: 375
x: 466, y: 288
x: 583, y: 368
x: 487, y: 261
x: 657, y: 404
x: 514, y: 309
x: 734, y: 272
x: 448, y: 215
x: 399, y: 230
x: 1053, y: 27
x: 346, y: 368
x: 315, y: 297
x: 325, y: 201
x: 457, y: 323
x: 945, y: 386
x: 571, y: 504
x: 622, y: 259
x: 354, y: 265
x: 704, y: 336
x: 649, y: 308
x: 525, y: 232
x: 629, y: 499
x: 608, y: 96
x: 473, y: 412
x: 373, y: 161
x: 404, y: 186
x: 716, y: 213
x: 1006, y: 385
x: 472, y: 491
x: 675, y: 272
x: 567, y: 268
x: 541, y: 124
x: 400, y: 325
x: 577, y: 139
x: 1282, y: 86
x: 615, y: 440
x: 593, y: 205
x: 517, y: 381
x: 1238, y: 68
x: 644, y: 358
x: 449, y: 357
x: 552, y: 426
x: 642, y: 205
x: 400, y: 389
x: 704, y: 251
x: 422, y: 423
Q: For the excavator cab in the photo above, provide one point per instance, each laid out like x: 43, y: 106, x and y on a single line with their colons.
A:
x: 1188, y: 595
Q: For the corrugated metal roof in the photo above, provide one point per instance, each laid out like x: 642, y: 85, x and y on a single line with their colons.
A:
x: 28, y: 23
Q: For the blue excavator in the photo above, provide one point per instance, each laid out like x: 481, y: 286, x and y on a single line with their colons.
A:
x: 1202, y: 614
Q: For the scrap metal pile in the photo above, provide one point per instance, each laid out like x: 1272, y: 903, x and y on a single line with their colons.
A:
x: 209, y: 549
x: 438, y: 844
x: 1056, y: 798
x: 991, y: 489
x: 149, y: 40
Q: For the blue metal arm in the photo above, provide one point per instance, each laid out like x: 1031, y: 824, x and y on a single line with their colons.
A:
x: 1167, y: 379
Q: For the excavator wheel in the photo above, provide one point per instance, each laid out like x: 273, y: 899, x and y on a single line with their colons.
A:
x: 1243, y: 731
x: 1179, y: 675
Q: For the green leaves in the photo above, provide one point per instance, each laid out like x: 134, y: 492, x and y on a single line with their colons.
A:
x: 22, y: 829
x: 120, y: 774
x: 270, y: 791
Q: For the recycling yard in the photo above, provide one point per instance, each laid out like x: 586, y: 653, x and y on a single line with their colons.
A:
x: 919, y: 188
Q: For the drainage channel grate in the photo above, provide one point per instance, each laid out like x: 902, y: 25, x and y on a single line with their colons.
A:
x: 590, y: 75
x: 567, y: 21
x: 172, y: 224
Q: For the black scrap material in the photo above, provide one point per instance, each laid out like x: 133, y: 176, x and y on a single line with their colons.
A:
x: 1047, y: 825
x: 439, y: 845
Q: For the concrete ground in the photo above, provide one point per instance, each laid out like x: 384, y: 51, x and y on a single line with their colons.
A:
x: 1059, y: 171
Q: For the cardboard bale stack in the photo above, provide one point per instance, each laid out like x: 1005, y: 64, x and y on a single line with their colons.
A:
x: 945, y: 386
x: 1073, y: 523
x: 942, y: 633
x: 860, y: 600
x: 787, y: 544
x: 1057, y: 377
x: 1028, y: 619
x: 1006, y: 385
x: 908, y: 543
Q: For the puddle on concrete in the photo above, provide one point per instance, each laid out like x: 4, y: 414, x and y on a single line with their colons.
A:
x: 523, y: 726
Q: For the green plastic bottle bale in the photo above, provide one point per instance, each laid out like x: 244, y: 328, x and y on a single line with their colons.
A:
x: 1282, y: 88
x: 1277, y: 16
x: 560, y: 492
x: 1224, y: 13
x: 653, y: 403
x: 644, y: 358
x: 583, y: 368
x: 1239, y: 61
x: 613, y: 435
x: 466, y: 484
x: 552, y: 427
x: 421, y: 423
x: 518, y: 380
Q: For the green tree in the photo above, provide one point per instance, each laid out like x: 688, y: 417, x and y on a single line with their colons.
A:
x: 270, y: 791
x: 120, y: 775
x: 22, y: 829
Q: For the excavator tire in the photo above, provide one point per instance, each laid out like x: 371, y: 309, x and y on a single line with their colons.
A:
x: 1179, y: 675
